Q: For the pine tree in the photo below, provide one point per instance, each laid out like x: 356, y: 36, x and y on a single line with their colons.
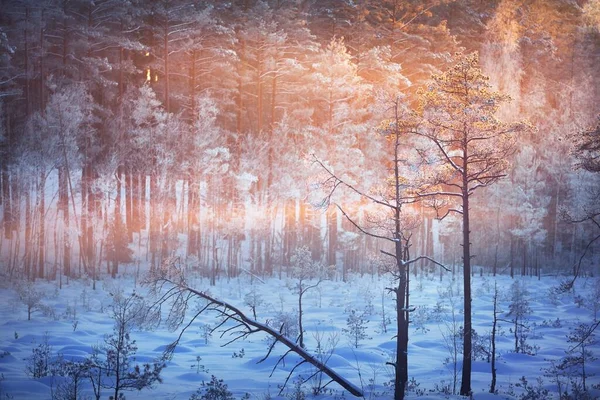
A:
x: 472, y: 148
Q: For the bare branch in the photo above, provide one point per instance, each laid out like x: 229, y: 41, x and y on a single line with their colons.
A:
x: 426, y: 258
x: 360, y: 228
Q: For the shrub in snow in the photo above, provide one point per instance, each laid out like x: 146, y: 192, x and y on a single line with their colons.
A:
x: 323, y: 351
x: 537, y: 392
x: 356, y: 328
x: 206, y: 330
x: 199, y: 367
x: 253, y: 299
x: 286, y: 323
x: 112, y: 367
x: 575, y: 364
x: 39, y: 363
x: 69, y: 377
x: 239, y: 354
x: 297, y: 393
x: 31, y: 297
x: 216, y: 389
x: 518, y: 310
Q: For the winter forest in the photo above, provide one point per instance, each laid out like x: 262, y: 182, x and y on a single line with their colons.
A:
x: 354, y: 182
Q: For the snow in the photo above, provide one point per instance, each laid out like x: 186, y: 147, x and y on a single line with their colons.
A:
x: 364, y: 366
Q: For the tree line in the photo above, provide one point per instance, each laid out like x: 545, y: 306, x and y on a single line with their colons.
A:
x: 133, y: 130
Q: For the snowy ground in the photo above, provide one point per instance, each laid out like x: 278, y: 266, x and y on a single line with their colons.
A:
x: 326, y: 312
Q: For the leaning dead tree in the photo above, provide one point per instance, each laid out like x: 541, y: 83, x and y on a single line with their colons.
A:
x: 173, y: 298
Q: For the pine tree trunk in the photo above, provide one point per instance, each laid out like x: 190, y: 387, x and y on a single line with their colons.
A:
x: 141, y: 207
x: 28, y: 241
x: 64, y: 207
x: 129, y: 176
x: 332, y: 237
x: 6, y: 199
x: 465, y: 388
x: 154, y: 219
x: 42, y: 225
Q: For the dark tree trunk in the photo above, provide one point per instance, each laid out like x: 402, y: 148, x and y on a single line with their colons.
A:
x: 465, y: 388
x: 493, y: 339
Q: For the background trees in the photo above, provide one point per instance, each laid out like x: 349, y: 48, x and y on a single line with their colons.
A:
x: 176, y: 125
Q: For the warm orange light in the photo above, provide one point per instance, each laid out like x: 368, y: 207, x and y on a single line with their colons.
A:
x: 148, y: 77
x: 155, y: 77
x: 147, y: 54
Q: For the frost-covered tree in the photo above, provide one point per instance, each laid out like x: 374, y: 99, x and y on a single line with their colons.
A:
x: 472, y: 148
x: 306, y: 274
x: 529, y: 203
x: 390, y: 223
x: 341, y: 115
x: 31, y: 296
x: 518, y: 310
x: 585, y: 209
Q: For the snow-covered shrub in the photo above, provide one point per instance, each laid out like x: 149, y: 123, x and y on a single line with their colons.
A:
x: 531, y: 392
x: 68, y: 379
x: 254, y: 300
x: 356, y: 328
x: 116, y: 359
x: 216, y: 389
x: 287, y: 322
x: 297, y: 392
x: 519, y: 310
x: 31, y: 297
x: 575, y: 364
x: 420, y: 317
x: 39, y: 363
x: 323, y: 351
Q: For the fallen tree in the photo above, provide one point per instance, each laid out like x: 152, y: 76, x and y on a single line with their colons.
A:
x: 169, y: 289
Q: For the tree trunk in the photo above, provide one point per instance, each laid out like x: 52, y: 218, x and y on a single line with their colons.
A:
x: 42, y: 225
x: 493, y: 339
x: 28, y: 241
x: 64, y: 207
x: 6, y: 199
x: 465, y: 388
x: 332, y: 237
x: 128, y: 176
